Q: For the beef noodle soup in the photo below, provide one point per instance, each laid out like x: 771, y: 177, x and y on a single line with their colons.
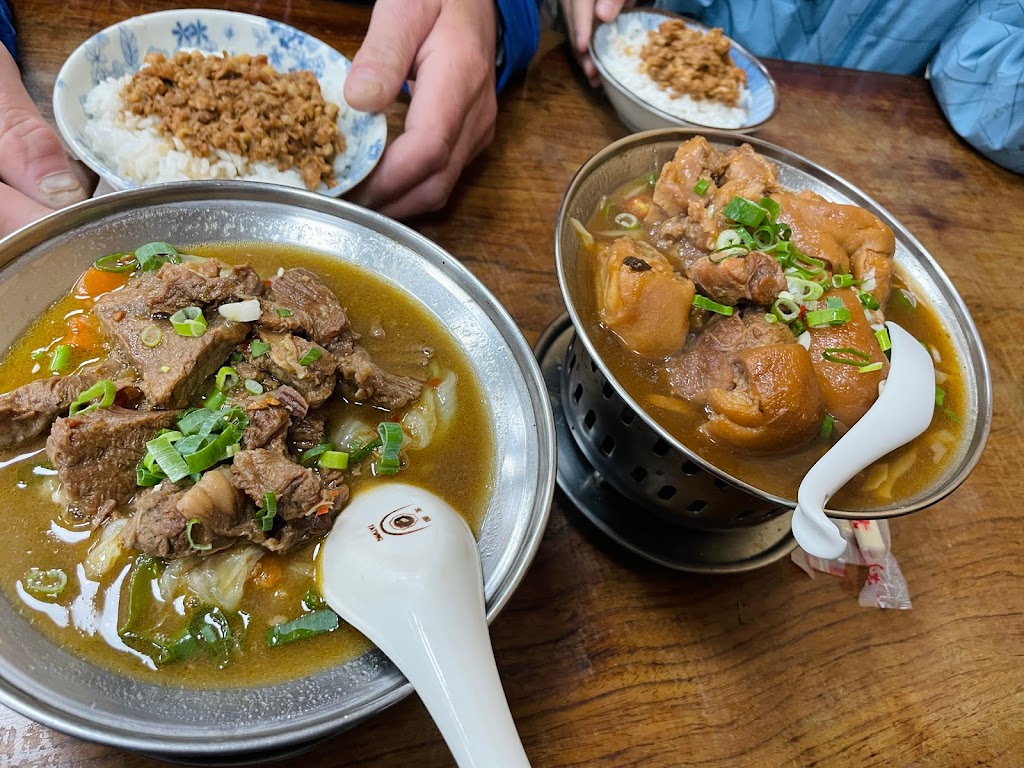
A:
x: 179, y: 433
x: 748, y: 320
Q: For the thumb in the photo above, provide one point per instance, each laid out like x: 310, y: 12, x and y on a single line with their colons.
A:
x: 386, y: 58
x: 32, y: 159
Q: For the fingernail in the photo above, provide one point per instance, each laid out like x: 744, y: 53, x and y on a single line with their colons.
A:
x: 61, y: 189
x: 365, y: 89
x: 605, y: 8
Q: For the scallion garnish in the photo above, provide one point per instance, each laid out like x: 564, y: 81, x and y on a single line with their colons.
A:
x: 204, y: 438
x: 870, y: 368
x: 265, y: 515
x: 745, y: 212
x: 116, y: 262
x: 334, y: 460
x: 834, y: 302
x: 882, y: 334
x: 61, y: 358
x: 701, y: 186
x: 712, y: 306
x: 627, y: 220
x: 951, y: 415
x: 151, y: 336
x: 786, y: 309
x: 843, y: 281
x: 310, y: 456
x: 820, y: 318
x: 99, y: 395
x: 827, y: 425
x: 312, y: 355
x: 940, y: 396
x: 191, y: 541
x: 804, y: 290
x: 906, y: 298
x: 253, y: 387
x: 846, y: 356
x: 357, y: 451
x: 154, y: 255
x: 168, y: 459
x: 227, y: 378
x: 284, y: 312
x: 44, y: 583
x: 215, y: 400
x: 189, y: 322
x: 391, y: 437
x: 307, y: 625
x: 257, y: 347
x: 868, y: 301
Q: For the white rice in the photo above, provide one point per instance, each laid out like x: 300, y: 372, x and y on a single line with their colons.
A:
x: 622, y: 60
x: 135, y: 149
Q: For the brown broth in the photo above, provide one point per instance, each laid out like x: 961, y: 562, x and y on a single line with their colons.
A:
x: 779, y: 474
x: 459, y: 470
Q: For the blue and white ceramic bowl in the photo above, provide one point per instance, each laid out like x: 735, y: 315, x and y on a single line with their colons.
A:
x: 122, y: 48
x: 638, y: 114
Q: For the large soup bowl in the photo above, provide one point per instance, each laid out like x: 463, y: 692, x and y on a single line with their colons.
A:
x: 704, y: 518
x: 42, y: 261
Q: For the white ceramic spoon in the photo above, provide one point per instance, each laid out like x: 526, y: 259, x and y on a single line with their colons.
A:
x: 402, y: 567
x: 902, y: 412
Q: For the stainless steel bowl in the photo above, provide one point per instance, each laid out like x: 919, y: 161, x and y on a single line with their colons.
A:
x: 636, y: 455
x: 40, y: 263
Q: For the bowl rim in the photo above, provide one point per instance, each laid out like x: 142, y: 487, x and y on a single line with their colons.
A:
x: 85, y: 153
x: 607, y: 77
x: 974, y: 356
x: 253, y: 746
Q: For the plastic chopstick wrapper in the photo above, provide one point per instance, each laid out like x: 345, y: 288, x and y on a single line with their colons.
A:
x: 868, y: 543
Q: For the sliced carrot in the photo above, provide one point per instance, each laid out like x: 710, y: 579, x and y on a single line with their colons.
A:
x: 82, y: 333
x: 96, y: 282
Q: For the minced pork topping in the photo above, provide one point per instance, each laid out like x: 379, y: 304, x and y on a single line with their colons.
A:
x: 240, y: 104
x: 687, y: 61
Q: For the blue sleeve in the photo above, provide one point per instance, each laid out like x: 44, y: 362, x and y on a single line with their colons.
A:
x: 978, y: 78
x: 520, y: 25
x: 7, y: 29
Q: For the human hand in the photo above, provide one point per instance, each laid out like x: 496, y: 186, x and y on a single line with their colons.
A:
x: 579, y: 18
x: 447, y: 48
x: 36, y: 175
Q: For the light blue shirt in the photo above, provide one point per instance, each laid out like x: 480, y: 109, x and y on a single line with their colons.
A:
x: 973, y: 51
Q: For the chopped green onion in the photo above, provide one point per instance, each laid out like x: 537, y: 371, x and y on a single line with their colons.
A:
x: 712, y: 306
x: 151, y: 336
x: 627, y: 220
x: 821, y: 318
x: 61, y: 358
x: 940, y: 396
x: 253, y: 387
x: 391, y: 437
x: 826, y: 426
x: 334, y: 460
x: 192, y: 542
x: 215, y: 400
x: 39, y: 354
x: 906, y: 298
x: 952, y: 415
x: 868, y: 301
x: 154, y: 255
x: 116, y: 262
x: 309, y: 624
x: 357, y: 452
x: 257, y: 347
x: 770, y: 318
x: 265, y: 515
x: 843, y: 281
x: 771, y: 207
x: 312, y: 355
x: 167, y: 458
x: 312, y: 600
x: 834, y: 302
x: 284, y: 312
x: 745, y: 212
x: 846, y: 356
x: 652, y: 179
x: 309, y: 456
x: 48, y: 583
x: 227, y: 378
x: 797, y: 327
x: 786, y: 310
x: 99, y: 395
x: 882, y: 334
x: 870, y: 368
x: 804, y: 290
x: 701, y: 186
x: 189, y: 322
x: 215, y: 452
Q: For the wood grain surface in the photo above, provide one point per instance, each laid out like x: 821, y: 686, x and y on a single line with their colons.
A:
x: 608, y: 660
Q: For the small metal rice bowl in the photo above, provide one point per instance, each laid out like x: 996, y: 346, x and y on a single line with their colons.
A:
x: 632, y: 452
x: 640, y: 115
x: 41, y: 262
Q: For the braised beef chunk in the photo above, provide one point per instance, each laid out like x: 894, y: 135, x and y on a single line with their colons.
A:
x: 307, y: 306
x: 202, y: 284
x: 314, y: 379
x: 28, y: 411
x: 172, y: 371
x: 160, y: 525
x: 307, y: 432
x: 300, y: 494
x: 96, y: 453
x: 363, y: 381
x: 270, y: 416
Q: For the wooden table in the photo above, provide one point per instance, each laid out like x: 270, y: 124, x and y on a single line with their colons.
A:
x: 608, y: 660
